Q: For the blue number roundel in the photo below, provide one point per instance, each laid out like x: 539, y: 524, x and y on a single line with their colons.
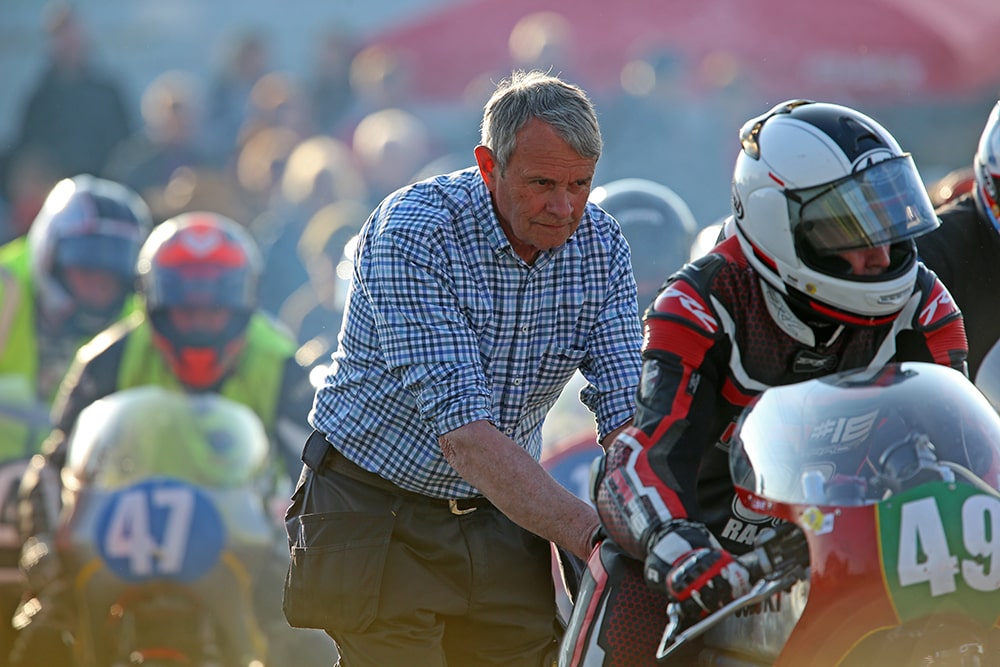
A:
x: 160, y: 529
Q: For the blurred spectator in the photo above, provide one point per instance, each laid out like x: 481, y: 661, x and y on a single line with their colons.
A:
x: 277, y: 100
x: 659, y: 127
x: 379, y: 79
x: 319, y: 171
x: 203, y: 189
x: 543, y: 40
x: 169, y: 139
x: 329, y: 85
x: 75, y: 114
x: 391, y: 145
x: 29, y: 180
x: 316, y: 308
x: 228, y: 96
x: 444, y: 164
x: 260, y: 166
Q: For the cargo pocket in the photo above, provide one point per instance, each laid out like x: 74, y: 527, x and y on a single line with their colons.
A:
x: 335, y: 571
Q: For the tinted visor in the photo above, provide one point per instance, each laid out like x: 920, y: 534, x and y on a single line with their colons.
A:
x: 882, y: 204
x: 194, y: 285
x: 110, y: 253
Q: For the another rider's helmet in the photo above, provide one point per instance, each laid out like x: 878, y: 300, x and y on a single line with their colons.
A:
x: 82, y: 248
x: 815, y: 179
x: 658, y: 225
x: 198, y: 274
x: 987, y: 167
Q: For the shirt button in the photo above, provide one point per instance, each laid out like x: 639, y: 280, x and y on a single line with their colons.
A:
x: 517, y: 382
x: 525, y: 328
x: 508, y: 430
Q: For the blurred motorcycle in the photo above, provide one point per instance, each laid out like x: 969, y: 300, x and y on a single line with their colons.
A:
x: 164, y: 532
x: 875, y: 497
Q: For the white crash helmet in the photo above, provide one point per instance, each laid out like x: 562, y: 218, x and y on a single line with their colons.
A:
x: 814, y: 179
x: 986, y: 165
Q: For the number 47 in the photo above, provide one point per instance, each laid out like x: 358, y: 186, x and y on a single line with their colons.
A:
x: 131, y: 532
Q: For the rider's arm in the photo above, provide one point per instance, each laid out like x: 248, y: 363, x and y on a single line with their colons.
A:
x: 936, y: 333
x: 651, y: 469
x: 92, y: 375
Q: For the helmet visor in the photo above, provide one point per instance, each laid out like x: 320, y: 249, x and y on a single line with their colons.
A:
x: 116, y: 254
x: 882, y: 204
x: 207, y: 286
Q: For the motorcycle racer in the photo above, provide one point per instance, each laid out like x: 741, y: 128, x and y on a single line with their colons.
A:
x: 70, y: 277
x: 198, y: 330
x: 963, y: 251
x: 820, y: 275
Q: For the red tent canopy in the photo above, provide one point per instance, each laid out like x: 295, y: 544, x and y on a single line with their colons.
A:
x: 861, y: 49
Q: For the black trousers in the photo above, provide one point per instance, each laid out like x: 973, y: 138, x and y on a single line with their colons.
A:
x: 402, y: 579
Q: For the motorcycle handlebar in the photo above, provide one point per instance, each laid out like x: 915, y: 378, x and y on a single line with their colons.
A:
x: 779, y: 559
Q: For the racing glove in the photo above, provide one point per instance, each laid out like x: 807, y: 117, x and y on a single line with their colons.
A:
x: 711, y: 578
x: 687, y: 563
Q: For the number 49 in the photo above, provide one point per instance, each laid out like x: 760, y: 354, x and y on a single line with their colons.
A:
x: 926, y: 556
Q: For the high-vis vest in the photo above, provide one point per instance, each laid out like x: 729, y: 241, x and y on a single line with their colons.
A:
x: 254, y: 382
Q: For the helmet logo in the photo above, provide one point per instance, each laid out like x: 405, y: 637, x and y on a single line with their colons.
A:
x: 737, y: 204
x: 201, y: 241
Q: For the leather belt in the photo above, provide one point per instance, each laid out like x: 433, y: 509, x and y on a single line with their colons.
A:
x: 319, y: 454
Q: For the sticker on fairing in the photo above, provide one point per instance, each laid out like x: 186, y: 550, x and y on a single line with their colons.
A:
x: 160, y: 529
x: 940, y: 546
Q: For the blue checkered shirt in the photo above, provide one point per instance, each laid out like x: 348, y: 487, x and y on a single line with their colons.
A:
x: 446, y: 325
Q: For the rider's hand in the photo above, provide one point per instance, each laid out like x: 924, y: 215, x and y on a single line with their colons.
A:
x: 710, y: 578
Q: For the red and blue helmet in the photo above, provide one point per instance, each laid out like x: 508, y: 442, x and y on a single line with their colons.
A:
x: 199, y: 261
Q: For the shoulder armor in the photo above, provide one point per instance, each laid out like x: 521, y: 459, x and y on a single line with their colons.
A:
x: 936, y: 305
x: 685, y: 296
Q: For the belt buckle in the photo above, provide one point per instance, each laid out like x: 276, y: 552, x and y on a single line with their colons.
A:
x: 458, y: 511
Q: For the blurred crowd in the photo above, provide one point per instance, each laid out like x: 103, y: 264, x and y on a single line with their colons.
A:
x: 298, y: 162
x: 300, y: 159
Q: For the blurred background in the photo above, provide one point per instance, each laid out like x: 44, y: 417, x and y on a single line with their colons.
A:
x: 672, y: 81
x: 295, y: 118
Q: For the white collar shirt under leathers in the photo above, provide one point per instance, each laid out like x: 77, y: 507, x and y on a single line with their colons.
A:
x: 446, y: 325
